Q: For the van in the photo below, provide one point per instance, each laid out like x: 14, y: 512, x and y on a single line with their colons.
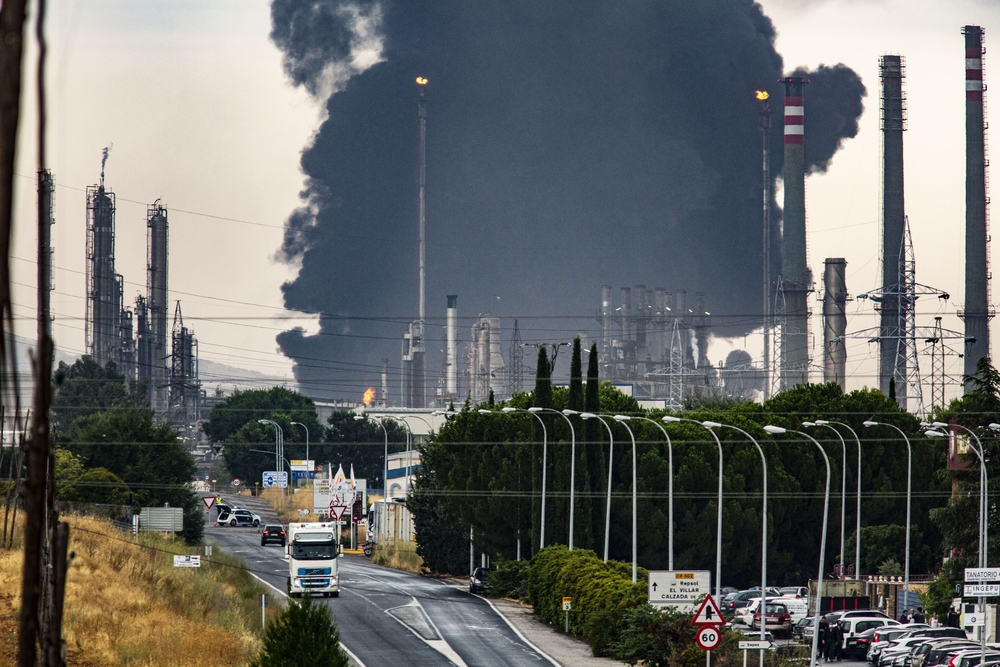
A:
x: 797, y: 608
x: 855, y: 625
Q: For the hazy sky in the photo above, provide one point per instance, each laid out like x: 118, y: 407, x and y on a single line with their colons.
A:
x: 200, y: 114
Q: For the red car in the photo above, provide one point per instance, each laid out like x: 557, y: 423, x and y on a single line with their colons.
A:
x: 776, y: 617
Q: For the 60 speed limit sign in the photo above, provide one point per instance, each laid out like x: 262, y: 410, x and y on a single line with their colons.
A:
x: 708, y: 637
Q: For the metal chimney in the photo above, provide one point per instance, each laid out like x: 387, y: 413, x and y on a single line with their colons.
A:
x: 796, y: 280
x: 157, y: 304
x: 451, y: 352
x: 834, y: 320
x: 891, y: 364
x: 977, y: 312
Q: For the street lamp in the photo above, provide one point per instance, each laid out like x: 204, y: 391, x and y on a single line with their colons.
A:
x: 857, y: 529
x: 983, y: 489
x: 909, y: 480
x: 777, y: 430
x: 279, y: 454
x: 545, y: 463
x: 621, y: 419
x: 406, y: 464
x: 385, y: 459
x: 718, y: 530
x: 763, y: 535
x: 843, y: 491
x: 611, y: 460
x: 572, y: 463
x: 670, y: 490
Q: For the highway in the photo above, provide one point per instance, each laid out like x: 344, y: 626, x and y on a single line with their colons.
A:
x: 387, y: 617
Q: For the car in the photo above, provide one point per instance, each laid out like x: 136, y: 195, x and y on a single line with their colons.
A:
x: 900, y: 648
x: 864, y: 613
x: 272, y: 532
x: 776, y: 617
x: 479, y: 581
x: 731, y: 604
x: 937, y: 651
x: 239, y: 517
x: 794, y: 592
x: 796, y: 608
x: 852, y: 626
x: 887, y: 637
x: 800, y: 627
x: 970, y: 657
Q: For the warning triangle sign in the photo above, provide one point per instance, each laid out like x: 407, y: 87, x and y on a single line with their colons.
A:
x: 708, y: 613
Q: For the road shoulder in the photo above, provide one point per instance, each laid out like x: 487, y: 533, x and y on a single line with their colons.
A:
x: 565, y: 649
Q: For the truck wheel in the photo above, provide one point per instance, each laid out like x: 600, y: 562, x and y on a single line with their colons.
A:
x: 335, y: 594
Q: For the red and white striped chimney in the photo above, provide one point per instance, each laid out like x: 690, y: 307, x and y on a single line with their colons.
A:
x: 794, y: 118
x: 974, y: 72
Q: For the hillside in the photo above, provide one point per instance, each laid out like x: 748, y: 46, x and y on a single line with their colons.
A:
x: 127, y: 604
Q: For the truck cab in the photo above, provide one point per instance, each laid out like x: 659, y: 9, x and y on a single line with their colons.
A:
x: 312, y: 550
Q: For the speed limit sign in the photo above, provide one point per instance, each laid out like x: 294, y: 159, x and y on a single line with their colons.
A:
x: 708, y: 637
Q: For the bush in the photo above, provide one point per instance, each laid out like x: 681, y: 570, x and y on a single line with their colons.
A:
x: 304, y: 634
x: 602, y: 593
x: 510, y: 580
x: 652, y: 636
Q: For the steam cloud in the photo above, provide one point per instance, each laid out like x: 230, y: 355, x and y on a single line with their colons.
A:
x: 571, y: 143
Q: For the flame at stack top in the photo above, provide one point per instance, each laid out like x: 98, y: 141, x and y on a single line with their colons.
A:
x: 369, y: 395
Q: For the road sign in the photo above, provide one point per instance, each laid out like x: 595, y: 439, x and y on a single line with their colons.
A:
x: 187, y: 561
x: 209, y: 501
x: 273, y: 478
x: 679, y: 589
x: 708, y: 637
x: 337, y: 511
x: 237, y: 482
x: 975, y: 618
x: 755, y: 645
x: 981, y: 574
x: 981, y: 590
x: 567, y: 604
x: 708, y: 613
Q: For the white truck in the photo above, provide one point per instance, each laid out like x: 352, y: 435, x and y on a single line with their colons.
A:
x: 312, y: 550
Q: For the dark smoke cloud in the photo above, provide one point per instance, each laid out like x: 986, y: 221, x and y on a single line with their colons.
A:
x: 571, y: 143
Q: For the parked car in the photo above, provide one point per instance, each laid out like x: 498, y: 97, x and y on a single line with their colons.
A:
x: 899, y: 649
x: 738, y: 601
x: 935, y: 651
x: 797, y: 609
x: 800, y: 627
x: 776, y: 618
x: 864, y: 613
x: 855, y: 625
x: 239, y: 517
x: 885, y: 637
x: 971, y: 657
x: 794, y: 592
x: 272, y: 533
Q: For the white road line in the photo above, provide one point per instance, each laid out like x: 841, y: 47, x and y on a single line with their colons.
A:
x: 518, y: 633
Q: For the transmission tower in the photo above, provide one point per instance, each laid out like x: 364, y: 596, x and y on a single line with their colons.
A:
x: 515, y: 372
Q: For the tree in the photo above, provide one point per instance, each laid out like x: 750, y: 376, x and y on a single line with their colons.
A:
x: 147, y: 457
x: 361, y: 442
x: 303, y: 634
x: 541, y: 398
x: 97, y: 485
x: 86, y: 387
x: 583, y: 528
x: 593, y: 444
x: 442, y: 537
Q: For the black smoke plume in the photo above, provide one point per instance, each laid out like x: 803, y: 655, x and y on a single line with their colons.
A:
x: 570, y: 143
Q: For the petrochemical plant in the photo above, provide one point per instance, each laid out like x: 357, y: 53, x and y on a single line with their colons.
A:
x: 655, y: 341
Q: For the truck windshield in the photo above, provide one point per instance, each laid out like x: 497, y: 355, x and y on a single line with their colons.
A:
x: 314, y: 550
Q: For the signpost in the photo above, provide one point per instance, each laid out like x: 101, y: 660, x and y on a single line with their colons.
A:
x: 236, y: 482
x: 187, y: 561
x: 322, y: 498
x: 209, y: 501
x: 708, y: 618
x: 982, y: 574
x: 679, y: 589
x: 567, y: 606
x: 337, y: 511
x: 982, y: 590
x: 272, y: 478
x: 755, y: 645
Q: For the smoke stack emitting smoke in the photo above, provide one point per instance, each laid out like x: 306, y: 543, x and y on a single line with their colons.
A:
x: 570, y: 145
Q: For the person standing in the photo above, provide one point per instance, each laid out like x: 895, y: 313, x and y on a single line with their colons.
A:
x: 918, y: 615
x: 823, y: 631
x: 835, y: 637
x: 952, y: 618
x: 934, y: 621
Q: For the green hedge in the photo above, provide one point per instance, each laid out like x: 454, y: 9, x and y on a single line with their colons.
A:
x: 602, y: 593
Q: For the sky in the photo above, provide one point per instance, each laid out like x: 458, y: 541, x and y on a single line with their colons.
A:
x: 193, y: 101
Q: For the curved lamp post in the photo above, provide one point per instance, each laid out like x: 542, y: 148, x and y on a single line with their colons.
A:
x: 565, y: 414
x: 621, y: 419
x: 670, y: 490
x: 611, y: 461
x: 406, y: 464
x: 857, y: 529
x: 909, y: 480
x: 669, y: 419
x: 545, y: 464
x: 843, y: 491
x: 385, y: 459
x: 777, y: 430
x: 763, y: 535
x: 279, y: 454
x: 983, y: 487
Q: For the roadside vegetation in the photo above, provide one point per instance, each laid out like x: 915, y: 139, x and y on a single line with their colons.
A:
x: 127, y: 605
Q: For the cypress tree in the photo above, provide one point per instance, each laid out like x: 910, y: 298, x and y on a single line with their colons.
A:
x: 583, y: 535
x: 596, y: 462
x: 542, y: 399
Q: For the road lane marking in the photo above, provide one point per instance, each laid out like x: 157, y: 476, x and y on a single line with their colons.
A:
x: 412, y: 617
x: 518, y: 632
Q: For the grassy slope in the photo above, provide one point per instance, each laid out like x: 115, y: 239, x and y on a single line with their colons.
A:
x: 127, y: 605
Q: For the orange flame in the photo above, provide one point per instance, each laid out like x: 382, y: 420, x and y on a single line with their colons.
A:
x: 421, y: 81
x: 762, y: 95
x: 369, y: 395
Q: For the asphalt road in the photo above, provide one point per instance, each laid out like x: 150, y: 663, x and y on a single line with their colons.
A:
x: 391, y: 618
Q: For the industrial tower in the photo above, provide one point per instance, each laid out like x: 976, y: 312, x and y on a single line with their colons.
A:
x: 414, y: 351
x: 977, y: 313
x: 765, y: 134
x: 795, y: 281
x: 185, y: 388
x: 156, y: 302
x: 104, y: 286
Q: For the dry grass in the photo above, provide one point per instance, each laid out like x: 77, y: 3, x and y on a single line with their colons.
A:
x: 398, y: 555
x: 127, y: 605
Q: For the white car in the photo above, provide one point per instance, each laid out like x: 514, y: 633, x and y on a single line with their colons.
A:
x: 796, y: 607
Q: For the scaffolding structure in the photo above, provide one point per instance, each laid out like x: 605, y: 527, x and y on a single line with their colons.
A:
x: 185, y: 387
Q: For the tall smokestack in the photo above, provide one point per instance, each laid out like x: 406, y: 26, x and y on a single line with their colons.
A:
x: 796, y: 280
x: 606, y: 309
x: 384, y: 402
x: 451, y: 374
x: 834, y: 320
x: 892, y: 364
x: 977, y: 298
x: 104, y: 311
x: 157, y: 304
x: 418, y: 370
x: 765, y: 133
